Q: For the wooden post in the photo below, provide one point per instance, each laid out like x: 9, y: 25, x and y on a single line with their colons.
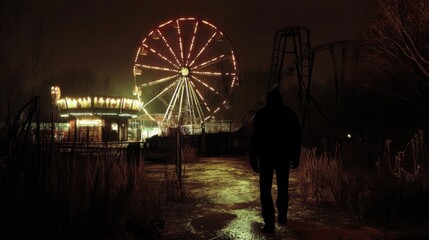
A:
x: 87, y: 137
x: 179, y: 156
x: 52, y: 133
x: 203, y: 139
x: 75, y: 138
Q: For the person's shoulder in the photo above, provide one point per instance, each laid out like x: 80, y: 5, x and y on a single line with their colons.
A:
x: 287, y: 108
x: 288, y: 111
x: 258, y: 113
x: 261, y: 111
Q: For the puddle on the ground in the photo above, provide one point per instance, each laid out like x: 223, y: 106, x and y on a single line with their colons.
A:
x: 242, y: 226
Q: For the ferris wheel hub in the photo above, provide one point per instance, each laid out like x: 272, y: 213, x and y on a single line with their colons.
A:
x: 184, y: 71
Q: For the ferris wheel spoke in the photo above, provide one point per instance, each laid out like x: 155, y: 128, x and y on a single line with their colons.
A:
x: 156, y: 68
x: 180, y: 40
x: 145, y: 46
x: 202, y: 98
x: 161, y: 93
x: 168, y: 46
x: 212, y: 61
x: 213, y: 73
x: 191, y: 47
x: 208, y: 87
x: 204, y: 48
x: 155, y: 82
x: 218, y: 108
x: 215, y: 111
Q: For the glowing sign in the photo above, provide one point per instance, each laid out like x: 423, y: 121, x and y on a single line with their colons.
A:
x: 89, y: 122
x: 98, y: 102
x: 99, y: 105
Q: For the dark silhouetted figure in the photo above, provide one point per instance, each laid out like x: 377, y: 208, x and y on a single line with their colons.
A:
x: 275, y: 146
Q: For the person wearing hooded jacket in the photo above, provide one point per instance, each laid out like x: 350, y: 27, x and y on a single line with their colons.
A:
x: 275, y: 146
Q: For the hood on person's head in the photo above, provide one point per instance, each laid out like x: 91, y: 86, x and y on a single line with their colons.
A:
x: 274, y: 97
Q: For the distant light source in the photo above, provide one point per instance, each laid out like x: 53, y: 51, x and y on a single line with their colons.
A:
x: 55, y: 93
x: 349, y: 135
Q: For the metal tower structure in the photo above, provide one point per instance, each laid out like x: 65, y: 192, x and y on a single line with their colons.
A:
x: 292, y: 45
x: 292, y: 54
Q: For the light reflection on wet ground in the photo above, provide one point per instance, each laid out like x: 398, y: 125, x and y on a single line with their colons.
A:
x: 246, y: 226
x: 224, y: 204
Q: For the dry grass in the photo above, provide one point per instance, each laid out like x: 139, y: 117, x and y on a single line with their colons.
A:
x: 72, y: 197
x: 84, y: 195
x: 395, y: 189
x: 317, y: 177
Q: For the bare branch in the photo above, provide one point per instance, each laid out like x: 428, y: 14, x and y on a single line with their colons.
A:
x: 397, y: 40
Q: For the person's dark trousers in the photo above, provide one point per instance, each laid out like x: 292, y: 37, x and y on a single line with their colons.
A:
x: 282, y: 175
x: 265, y: 185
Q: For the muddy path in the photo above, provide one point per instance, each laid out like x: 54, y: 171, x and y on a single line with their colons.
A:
x: 223, y: 203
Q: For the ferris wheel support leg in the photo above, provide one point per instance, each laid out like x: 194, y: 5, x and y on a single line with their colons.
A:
x: 169, y: 111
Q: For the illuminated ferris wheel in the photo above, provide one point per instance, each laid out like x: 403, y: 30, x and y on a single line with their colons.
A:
x: 185, y: 71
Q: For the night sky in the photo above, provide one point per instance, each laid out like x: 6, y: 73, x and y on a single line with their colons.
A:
x: 104, y: 35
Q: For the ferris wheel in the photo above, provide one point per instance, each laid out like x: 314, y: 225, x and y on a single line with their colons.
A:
x: 185, y: 71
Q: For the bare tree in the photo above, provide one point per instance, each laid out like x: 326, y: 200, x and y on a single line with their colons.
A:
x: 396, y: 60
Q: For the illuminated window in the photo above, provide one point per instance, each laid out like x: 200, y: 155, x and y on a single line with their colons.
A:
x: 114, y: 127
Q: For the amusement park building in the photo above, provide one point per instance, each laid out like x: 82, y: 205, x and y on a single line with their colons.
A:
x: 94, y: 118
x: 106, y: 118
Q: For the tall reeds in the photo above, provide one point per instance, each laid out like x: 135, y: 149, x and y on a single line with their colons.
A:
x: 394, y: 188
x: 81, y: 197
